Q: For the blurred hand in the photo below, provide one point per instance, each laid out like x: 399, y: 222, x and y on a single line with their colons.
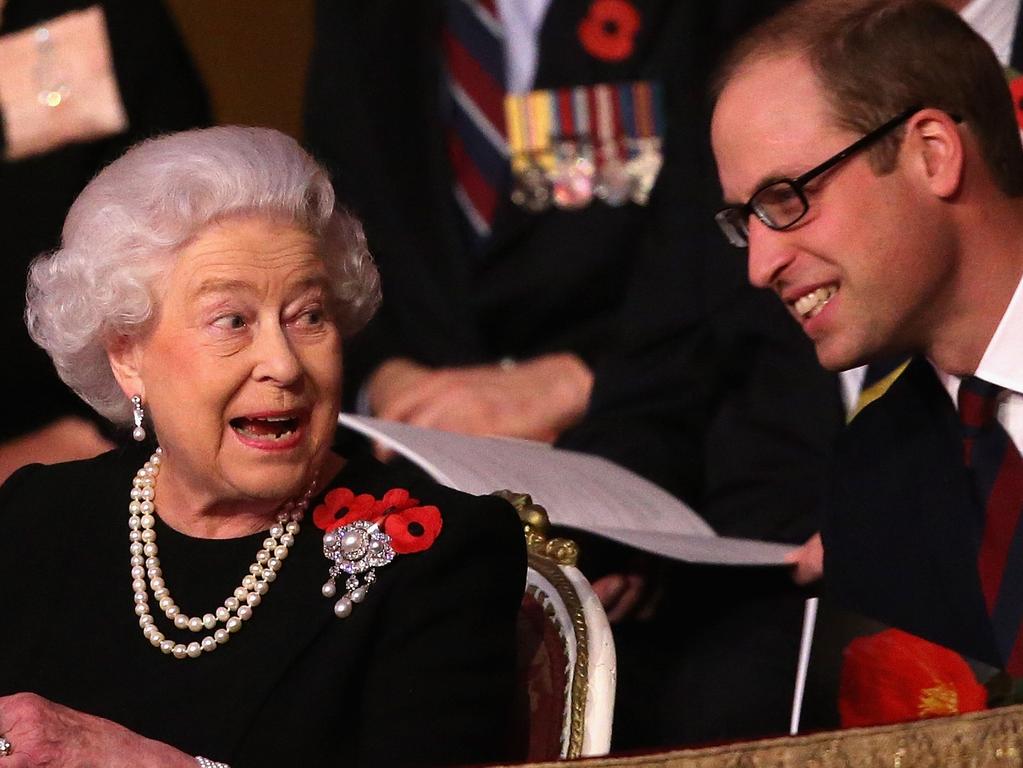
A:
x: 66, y: 439
x: 536, y: 399
x: 621, y: 594
x: 46, y: 734
x: 809, y: 561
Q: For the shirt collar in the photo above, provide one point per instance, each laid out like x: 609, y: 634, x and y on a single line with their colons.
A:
x: 1002, y: 363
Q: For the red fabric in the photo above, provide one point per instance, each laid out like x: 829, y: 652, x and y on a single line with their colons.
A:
x: 543, y: 675
x: 485, y: 92
x: 895, y: 677
x: 414, y: 529
x: 992, y: 457
x: 1014, y: 665
x: 341, y: 507
x: 609, y: 30
x: 396, y: 500
x: 566, y: 112
x: 1016, y: 88
x: 1001, y: 518
x: 480, y: 191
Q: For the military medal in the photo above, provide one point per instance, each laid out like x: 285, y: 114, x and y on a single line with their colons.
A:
x: 530, y: 189
x: 528, y: 123
x: 572, y: 175
x: 569, y: 145
x: 572, y: 178
x: 362, y: 534
x: 613, y: 183
x: 646, y: 158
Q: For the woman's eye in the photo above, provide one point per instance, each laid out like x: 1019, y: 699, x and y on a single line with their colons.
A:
x: 311, y: 317
x: 231, y: 322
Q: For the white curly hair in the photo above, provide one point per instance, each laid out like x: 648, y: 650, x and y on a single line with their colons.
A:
x: 126, y: 227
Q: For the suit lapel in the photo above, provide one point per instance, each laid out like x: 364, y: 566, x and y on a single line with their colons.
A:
x: 407, y: 187
x: 403, y: 93
x: 937, y: 508
x: 1016, y: 57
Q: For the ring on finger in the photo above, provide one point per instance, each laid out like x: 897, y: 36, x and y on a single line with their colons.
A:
x: 5, y: 747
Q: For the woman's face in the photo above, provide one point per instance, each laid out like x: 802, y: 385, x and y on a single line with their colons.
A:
x: 241, y: 375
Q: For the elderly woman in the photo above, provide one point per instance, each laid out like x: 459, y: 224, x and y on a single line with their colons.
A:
x: 241, y: 592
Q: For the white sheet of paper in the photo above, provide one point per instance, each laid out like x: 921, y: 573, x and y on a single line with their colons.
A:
x: 577, y: 490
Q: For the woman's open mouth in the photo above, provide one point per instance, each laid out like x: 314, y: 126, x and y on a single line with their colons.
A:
x: 268, y: 431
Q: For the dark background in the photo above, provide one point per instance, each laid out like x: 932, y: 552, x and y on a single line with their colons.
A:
x: 252, y: 55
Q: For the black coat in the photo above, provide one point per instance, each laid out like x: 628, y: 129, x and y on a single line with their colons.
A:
x: 421, y: 673
x: 902, y: 528
x: 703, y: 384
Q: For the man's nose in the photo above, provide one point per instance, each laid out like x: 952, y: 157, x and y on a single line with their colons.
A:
x: 770, y: 252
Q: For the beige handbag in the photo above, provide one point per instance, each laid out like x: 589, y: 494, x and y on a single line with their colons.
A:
x: 57, y: 84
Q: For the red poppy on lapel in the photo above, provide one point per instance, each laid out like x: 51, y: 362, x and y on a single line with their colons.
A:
x: 412, y: 528
x: 341, y: 507
x: 1016, y: 89
x: 895, y: 677
x: 609, y: 30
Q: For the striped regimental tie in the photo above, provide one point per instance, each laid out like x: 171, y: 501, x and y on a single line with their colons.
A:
x: 997, y: 471
x: 473, y: 43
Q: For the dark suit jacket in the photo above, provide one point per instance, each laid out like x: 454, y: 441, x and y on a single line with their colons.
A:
x: 421, y: 673
x: 547, y: 282
x: 901, y: 525
x: 552, y: 282
x: 161, y: 92
x: 702, y: 384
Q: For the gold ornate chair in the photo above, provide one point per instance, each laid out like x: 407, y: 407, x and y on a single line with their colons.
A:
x: 566, y: 651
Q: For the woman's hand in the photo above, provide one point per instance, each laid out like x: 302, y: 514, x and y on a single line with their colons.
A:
x: 47, y: 735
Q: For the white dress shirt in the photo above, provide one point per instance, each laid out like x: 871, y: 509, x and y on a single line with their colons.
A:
x: 995, y: 21
x: 521, y: 20
x: 1002, y: 364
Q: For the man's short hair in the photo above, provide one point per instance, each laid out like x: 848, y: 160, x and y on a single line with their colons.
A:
x: 876, y: 58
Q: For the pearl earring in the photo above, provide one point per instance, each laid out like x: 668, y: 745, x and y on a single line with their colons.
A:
x: 139, y: 433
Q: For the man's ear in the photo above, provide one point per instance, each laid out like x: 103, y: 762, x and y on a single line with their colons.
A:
x: 125, y: 356
x: 939, y: 150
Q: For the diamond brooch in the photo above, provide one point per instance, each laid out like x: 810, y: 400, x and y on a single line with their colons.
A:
x: 356, y: 549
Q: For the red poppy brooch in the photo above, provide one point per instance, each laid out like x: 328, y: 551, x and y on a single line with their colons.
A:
x: 362, y: 533
x: 609, y: 30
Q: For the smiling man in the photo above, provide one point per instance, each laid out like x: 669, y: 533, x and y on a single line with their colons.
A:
x: 870, y: 160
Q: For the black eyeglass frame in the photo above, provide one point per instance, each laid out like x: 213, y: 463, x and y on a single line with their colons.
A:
x: 733, y: 219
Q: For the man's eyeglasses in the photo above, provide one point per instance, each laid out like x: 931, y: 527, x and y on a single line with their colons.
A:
x: 780, y: 204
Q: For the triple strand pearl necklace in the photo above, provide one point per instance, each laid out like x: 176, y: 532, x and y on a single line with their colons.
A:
x: 236, y: 609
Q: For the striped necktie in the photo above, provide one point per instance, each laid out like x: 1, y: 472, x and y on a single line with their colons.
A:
x: 473, y: 43
x: 997, y: 471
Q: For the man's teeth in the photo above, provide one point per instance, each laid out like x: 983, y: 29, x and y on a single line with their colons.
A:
x: 811, y: 304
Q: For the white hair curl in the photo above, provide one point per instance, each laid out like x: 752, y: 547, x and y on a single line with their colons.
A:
x: 126, y: 227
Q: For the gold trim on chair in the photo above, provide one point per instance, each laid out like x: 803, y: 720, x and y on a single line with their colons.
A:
x: 580, y: 685
x: 537, y: 524
x: 548, y: 557
x: 977, y: 740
